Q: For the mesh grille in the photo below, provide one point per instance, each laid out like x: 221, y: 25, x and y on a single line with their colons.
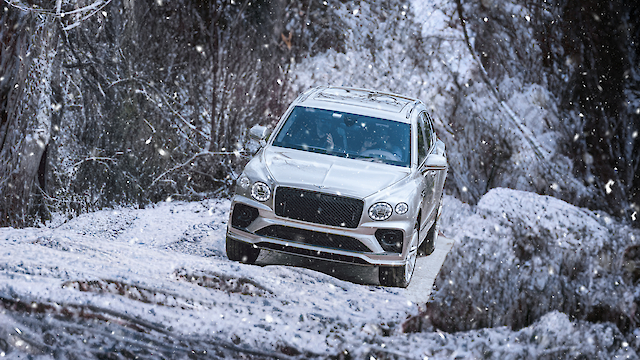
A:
x: 315, y: 238
x: 313, y: 253
x: 319, y: 208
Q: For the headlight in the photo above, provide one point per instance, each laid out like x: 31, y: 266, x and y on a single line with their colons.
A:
x: 402, y: 208
x: 244, y: 182
x: 380, y: 211
x: 260, y: 191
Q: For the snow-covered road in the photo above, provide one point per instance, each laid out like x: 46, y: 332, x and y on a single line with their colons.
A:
x: 427, y: 268
x: 160, y: 277
x: 417, y: 292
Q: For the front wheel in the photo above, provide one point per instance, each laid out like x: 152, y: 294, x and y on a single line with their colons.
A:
x: 400, y: 276
x: 241, y: 251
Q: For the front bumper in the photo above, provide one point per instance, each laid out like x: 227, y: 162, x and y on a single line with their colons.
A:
x: 364, y: 248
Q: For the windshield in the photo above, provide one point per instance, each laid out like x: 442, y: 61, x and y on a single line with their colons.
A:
x: 346, y: 135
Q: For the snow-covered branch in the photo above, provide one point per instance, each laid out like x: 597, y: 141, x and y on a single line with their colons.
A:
x: 189, y: 162
x: 523, y: 131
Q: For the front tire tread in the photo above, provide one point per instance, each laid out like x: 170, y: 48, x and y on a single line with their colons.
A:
x: 241, y: 251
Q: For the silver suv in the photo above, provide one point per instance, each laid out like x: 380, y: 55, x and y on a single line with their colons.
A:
x: 349, y: 175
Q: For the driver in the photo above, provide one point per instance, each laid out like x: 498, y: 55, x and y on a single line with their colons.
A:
x: 330, y: 138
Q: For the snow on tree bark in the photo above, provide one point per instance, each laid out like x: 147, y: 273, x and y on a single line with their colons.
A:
x: 26, y: 127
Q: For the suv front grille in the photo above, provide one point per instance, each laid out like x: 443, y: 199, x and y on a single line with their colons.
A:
x: 315, y: 238
x: 318, y: 208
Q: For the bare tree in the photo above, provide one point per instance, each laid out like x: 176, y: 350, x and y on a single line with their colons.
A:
x: 130, y: 102
x: 26, y: 107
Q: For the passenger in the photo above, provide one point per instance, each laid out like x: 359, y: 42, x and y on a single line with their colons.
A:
x: 378, y: 144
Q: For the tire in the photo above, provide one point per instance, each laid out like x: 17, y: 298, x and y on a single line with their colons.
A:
x: 429, y: 245
x: 241, y: 251
x: 400, y: 276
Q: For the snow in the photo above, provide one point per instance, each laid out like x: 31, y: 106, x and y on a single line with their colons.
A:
x: 528, y: 276
x: 554, y: 336
x: 156, y: 282
x: 519, y: 257
x: 166, y: 265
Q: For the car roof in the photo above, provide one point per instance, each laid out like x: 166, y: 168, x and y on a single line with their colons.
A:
x: 361, y: 101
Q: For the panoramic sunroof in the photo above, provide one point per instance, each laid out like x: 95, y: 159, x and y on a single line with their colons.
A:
x: 364, y: 98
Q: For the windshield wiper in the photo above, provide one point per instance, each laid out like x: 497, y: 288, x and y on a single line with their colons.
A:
x: 370, y: 158
x: 315, y: 149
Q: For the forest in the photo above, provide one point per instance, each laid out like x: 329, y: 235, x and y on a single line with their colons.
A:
x: 109, y: 108
x: 113, y: 103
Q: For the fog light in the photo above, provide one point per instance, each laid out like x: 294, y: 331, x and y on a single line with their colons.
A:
x: 243, y: 215
x: 390, y: 240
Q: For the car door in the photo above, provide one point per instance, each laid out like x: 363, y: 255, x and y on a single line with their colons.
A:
x: 429, y: 176
x: 439, y: 149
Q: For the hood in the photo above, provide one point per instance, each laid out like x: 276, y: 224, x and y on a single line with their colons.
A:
x: 331, y: 174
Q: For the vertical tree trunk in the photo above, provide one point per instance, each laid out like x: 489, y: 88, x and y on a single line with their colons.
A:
x: 26, y: 115
x: 214, y: 47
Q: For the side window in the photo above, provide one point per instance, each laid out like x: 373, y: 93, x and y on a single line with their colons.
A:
x: 423, y: 140
x: 428, y: 129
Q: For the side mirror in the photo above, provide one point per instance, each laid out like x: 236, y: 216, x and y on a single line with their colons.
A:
x: 437, y: 162
x: 259, y: 133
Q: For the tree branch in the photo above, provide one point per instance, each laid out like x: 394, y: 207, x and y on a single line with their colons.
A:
x: 188, y: 162
x: 540, y: 153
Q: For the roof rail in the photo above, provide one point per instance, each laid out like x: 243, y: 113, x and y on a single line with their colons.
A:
x: 369, y: 90
x: 308, y: 93
x: 414, y: 104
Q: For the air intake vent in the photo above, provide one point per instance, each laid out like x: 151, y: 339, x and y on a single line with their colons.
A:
x: 243, y: 215
x: 313, y: 238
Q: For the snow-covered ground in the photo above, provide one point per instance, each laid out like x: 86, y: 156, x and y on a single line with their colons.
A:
x: 528, y: 276
x: 156, y: 283
x: 162, y: 271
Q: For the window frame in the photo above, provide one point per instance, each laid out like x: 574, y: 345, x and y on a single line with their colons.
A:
x: 425, y: 131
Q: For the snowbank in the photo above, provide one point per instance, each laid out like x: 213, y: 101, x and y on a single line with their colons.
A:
x: 519, y: 257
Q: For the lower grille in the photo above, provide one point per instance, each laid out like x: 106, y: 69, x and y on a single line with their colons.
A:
x: 313, y: 253
x: 315, y: 238
x: 319, y: 208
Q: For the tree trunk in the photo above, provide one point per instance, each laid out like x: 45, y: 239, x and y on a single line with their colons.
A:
x: 26, y: 113
x: 214, y: 50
